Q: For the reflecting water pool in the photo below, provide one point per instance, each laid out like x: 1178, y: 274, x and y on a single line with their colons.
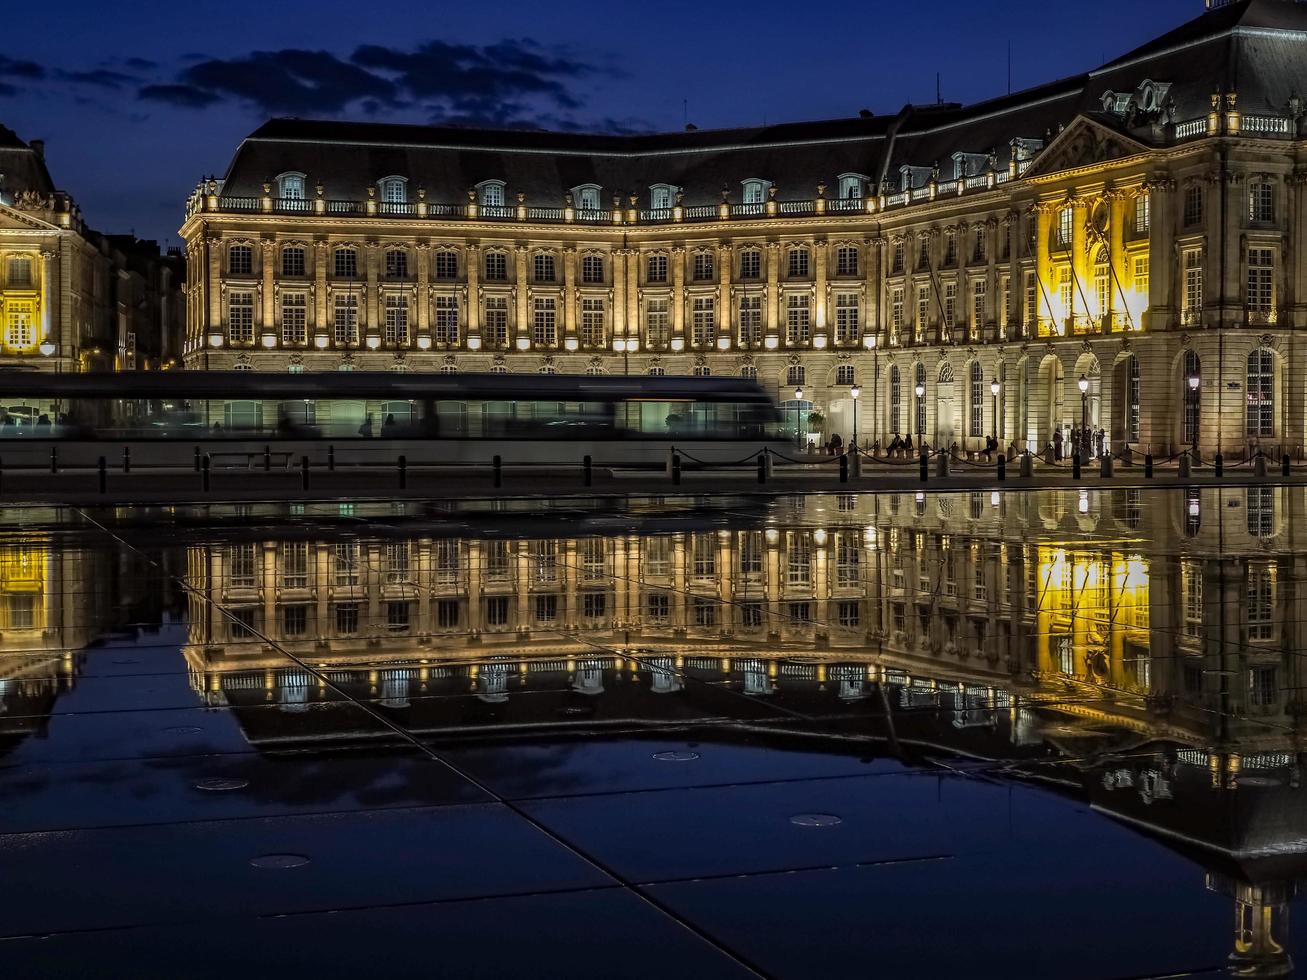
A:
x: 1028, y: 734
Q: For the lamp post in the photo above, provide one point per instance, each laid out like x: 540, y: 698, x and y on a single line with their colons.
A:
x: 993, y: 391
x: 798, y: 410
x: 1194, y: 382
x: 1084, y: 415
x: 920, y: 390
x: 854, y: 392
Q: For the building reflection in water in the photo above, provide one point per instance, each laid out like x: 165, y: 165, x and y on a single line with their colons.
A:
x: 1144, y: 646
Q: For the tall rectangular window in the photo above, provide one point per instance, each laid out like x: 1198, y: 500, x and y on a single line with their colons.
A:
x: 1191, y: 591
x: 950, y: 304
x: 1065, y: 227
x: 495, y: 321
x: 703, y: 321
x: 294, y: 318
x: 346, y: 261
x: 1193, y: 205
x: 292, y: 261
x: 1260, y: 385
x: 496, y: 267
x: 295, y: 564
x: 1261, y: 281
x: 446, y: 264
x: 396, y: 332
x: 345, y: 318
x: 977, y: 400
x: 444, y: 327
x: 20, y: 330
x: 657, y: 324
x: 240, y: 317
x: 979, y: 306
x: 923, y: 309
x: 1192, y: 306
x: 703, y: 266
x: 544, y: 267
x: 240, y: 260
x: 396, y: 264
x: 1261, y: 202
x: 896, y: 309
x: 656, y: 269
x: 592, y: 323
x: 592, y: 269
x: 1031, y: 289
x: 544, y: 323
x: 1143, y: 213
x: 980, y: 252
x: 798, y: 320
x: 898, y: 260
x: 751, y: 263
x: 846, y: 318
x: 798, y: 265
x: 1261, y: 601
x: 751, y: 320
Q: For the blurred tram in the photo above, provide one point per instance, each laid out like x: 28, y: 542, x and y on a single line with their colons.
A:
x: 366, y: 417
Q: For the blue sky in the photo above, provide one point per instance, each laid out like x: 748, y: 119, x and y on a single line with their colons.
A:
x: 137, y: 100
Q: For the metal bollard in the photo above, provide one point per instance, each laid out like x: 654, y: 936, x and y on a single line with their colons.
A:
x: 497, y: 464
x: 403, y: 472
x: 267, y: 459
x: 1259, y: 465
x: 207, y: 465
x: 587, y: 470
x: 762, y: 468
x: 676, y: 469
x: 1002, y: 467
x: 924, y: 462
x: 54, y: 459
x: 1148, y: 466
x: 1185, y: 467
x: 855, y: 465
x: 104, y: 474
x: 941, y: 463
x: 1218, y: 466
x: 304, y: 472
x: 1027, y: 465
x: 1284, y: 465
x: 844, y: 469
x: 1105, y: 468
x: 127, y: 459
x: 331, y: 459
x: 1075, y: 466
x: 197, y: 459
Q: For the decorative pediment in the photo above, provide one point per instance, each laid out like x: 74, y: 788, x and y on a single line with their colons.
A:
x: 1084, y: 143
x: 11, y: 218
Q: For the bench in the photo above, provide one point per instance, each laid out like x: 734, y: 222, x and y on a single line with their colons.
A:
x: 251, y: 460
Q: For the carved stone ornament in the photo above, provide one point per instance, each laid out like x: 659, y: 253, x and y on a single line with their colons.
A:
x: 297, y: 360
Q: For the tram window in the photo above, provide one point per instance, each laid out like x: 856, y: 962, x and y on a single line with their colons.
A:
x: 243, y: 415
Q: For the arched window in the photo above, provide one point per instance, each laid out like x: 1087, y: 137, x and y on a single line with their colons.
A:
x: 1261, y: 393
x: 921, y: 399
x: 754, y: 191
x: 795, y: 375
x: 586, y: 197
x: 346, y: 262
x: 977, y: 400
x: 1192, y: 394
x: 490, y: 193
x: 661, y: 196
x: 396, y: 263
x: 394, y: 194
x: 895, y: 399
x: 749, y: 372
x: 798, y: 262
x: 1132, y: 401
x: 844, y: 375
x: 290, y: 189
x: 852, y: 185
x: 945, y: 373
x: 1102, y: 283
x: 657, y: 371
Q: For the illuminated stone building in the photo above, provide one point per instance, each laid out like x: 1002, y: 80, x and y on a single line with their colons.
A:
x: 72, y: 299
x: 1136, y: 226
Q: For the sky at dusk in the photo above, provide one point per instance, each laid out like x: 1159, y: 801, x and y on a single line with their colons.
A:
x: 138, y: 100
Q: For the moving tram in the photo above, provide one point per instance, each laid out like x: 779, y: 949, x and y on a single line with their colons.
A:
x: 368, y: 417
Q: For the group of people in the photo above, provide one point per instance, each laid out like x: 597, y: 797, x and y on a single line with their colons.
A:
x: 1087, y: 443
x: 11, y: 423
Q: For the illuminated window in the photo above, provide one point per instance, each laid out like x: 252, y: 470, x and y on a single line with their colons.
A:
x: 1261, y: 601
x: 950, y: 304
x: 750, y: 263
x: 656, y: 269
x: 1066, y: 220
x: 294, y: 318
x: 346, y: 262
x: 18, y: 272
x: 495, y: 321
x: 491, y: 193
x: 396, y: 264
x: 798, y: 320
x: 750, y: 320
x: 1191, y: 590
x: 1143, y: 213
x: 1031, y: 290
x: 20, y: 331
x: 703, y: 321
x: 703, y: 266
x: 920, y: 402
x: 798, y: 263
x: 1193, y: 285
x: 657, y: 323
x: 394, y: 190
x: 979, y: 306
x: 396, y: 331
x: 496, y: 267
x: 846, y: 260
x: 592, y: 269
x: 661, y: 196
x: 544, y: 322
x: 1192, y: 369
x: 240, y: 317
x: 1261, y: 280
x: 896, y: 309
x: 345, y: 318
x: 592, y: 323
x: 545, y: 269
x: 795, y: 375
x: 290, y: 187
x: 977, y: 399
x: 852, y: 185
x: 445, y: 328
x: 1132, y: 418
x: 847, y: 324
x: 754, y: 191
x: 240, y: 260
x: 895, y: 400
x: 1261, y: 393
x: 1259, y: 507
x: 1261, y: 202
x: 586, y: 197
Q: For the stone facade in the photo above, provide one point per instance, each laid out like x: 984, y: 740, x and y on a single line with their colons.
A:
x: 1139, y: 234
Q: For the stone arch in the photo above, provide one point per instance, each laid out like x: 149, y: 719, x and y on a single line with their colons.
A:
x: 1090, y: 408
x: 1127, y: 394
x: 947, y: 405
x: 1048, y: 409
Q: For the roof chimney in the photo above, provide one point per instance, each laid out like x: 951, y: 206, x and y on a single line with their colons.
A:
x: 38, y: 147
x: 691, y: 128
x: 865, y: 113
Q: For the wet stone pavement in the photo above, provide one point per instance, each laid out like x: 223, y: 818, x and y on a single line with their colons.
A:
x: 1035, y: 734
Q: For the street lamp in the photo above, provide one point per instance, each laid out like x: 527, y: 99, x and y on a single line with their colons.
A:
x: 917, y: 410
x: 1194, y: 382
x: 993, y: 391
x: 798, y: 408
x: 854, y: 392
x: 1084, y: 415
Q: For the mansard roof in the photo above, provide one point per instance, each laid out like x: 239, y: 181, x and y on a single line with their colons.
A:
x: 22, y: 168
x: 1257, y: 48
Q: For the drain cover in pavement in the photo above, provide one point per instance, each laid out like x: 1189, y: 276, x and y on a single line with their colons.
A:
x: 815, y: 820
x: 279, y: 862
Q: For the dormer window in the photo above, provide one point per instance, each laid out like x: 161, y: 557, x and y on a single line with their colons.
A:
x: 853, y: 185
x: 290, y: 186
x: 661, y: 196
x: 490, y: 193
x: 911, y: 178
x: 969, y: 164
x: 394, y: 190
x: 754, y: 190
x: 586, y: 197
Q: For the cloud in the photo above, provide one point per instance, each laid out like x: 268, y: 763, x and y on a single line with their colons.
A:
x: 500, y: 84
x: 7, y: 89
x: 102, y: 77
x: 16, y: 68
x: 140, y: 64
x: 186, y: 96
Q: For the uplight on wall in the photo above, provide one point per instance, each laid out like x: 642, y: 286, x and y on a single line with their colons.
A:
x: 373, y: 341
x: 215, y: 339
x: 47, y: 348
x: 723, y: 343
x: 678, y: 343
x: 772, y: 343
x: 570, y: 343
x: 424, y: 343
x: 320, y: 341
x: 819, y: 341
x: 473, y: 343
x: 269, y: 340
x: 523, y: 343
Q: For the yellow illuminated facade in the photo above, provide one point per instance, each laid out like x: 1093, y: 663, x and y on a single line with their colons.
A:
x: 1135, y: 232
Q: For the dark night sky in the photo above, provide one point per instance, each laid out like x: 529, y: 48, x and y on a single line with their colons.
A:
x: 138, y: 99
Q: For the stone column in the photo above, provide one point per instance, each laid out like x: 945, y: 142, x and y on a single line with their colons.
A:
x: 820, y: 253
x: 423, y: 311
x: 371, y: 313
x: 725, y: 272
x: 521, y: 292
x: 679, y: 258
x: 773, y: 327
x: 570, y: 301
x: 472, y: 274
x: 321, y: 314
x: 1163, y: 291
x: 267, y: 308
